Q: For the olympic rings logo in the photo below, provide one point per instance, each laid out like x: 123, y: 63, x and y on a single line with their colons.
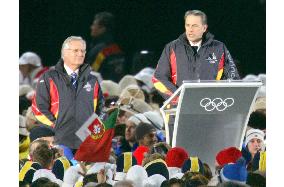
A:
x: 218, y: 103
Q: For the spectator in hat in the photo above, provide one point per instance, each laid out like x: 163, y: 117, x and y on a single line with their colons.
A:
x: 193, y: 164
x: 42, y: 132
x: 235, y: 172
x: 157, y: 166
x: 126, y: 81
x: 225, y: 156
x: 137, y: 174
x: 146, y: 134
x: 144, y: 79
x: 104, y: 54
x: 30, y: 68
x: 175, y: 159
x: 128, y: 142
x: 111, y: 93
x: 254, y: 143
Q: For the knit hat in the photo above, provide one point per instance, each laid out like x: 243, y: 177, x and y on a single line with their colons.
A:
x: 193, y: 164
x: 254, y: 133
x: 259, y: 161
x: 235, y: 172
x: 139, y: 153
x: 138, y: 118
x: 154, y: 181
x: 157, y: 166
x: 145, y: 76
x: 47, y: 174
x: 126, y: 81
x: 41, y: 131
x: 24, y: 89
x: 155, y: 119
x: 143, y: 129
x: 60, y: 165
x: 125, y: 161
x: 30, y: 58
x: 133, y: 105
x: 132, y: 91
x: 109, y: 88
x: 22, y: 126
x: 228, y: 155
x: 176, y: 157
x: 137, y: 174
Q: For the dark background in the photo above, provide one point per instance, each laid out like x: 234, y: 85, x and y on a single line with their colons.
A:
x: 240, y: 24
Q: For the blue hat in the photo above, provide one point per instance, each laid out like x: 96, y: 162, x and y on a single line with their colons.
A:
x: 235, y: 172
x: 193, y: 164
x: 125, y: 161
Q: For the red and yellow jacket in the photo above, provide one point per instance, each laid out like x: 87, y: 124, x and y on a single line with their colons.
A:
x: 57, y: 104
x: 179, y: 62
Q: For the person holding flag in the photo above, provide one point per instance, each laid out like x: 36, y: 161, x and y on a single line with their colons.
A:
x: 68, y: 95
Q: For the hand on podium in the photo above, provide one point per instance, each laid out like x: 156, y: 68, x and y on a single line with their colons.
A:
x: 174, y: 101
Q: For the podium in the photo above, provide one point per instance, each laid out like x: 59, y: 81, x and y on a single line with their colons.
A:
x: 209, y: 116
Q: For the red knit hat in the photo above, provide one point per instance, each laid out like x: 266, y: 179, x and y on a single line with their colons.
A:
x: 176, y: 156
x: 228, y: 155
x: 139, y: 153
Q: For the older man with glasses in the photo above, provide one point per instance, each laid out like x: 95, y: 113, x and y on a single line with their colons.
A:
x: 68, y: 95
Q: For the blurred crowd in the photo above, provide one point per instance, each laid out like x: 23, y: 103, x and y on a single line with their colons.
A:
x: 140, y: 156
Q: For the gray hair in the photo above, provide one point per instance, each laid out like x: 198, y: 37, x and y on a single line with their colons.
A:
x: 196, y: 13
x: 66, y: 42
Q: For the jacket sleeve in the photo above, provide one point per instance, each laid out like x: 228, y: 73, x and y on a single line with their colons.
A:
x: 162, y: 75
x: 42, y: 103
x: 230, y: 68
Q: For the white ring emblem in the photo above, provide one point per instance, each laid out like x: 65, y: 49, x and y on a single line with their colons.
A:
x: 218, y: 103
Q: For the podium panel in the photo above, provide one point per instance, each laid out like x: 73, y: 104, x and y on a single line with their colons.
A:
x: 212, y: 116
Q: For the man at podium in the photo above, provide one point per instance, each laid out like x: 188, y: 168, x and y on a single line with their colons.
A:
x: 194, y: 55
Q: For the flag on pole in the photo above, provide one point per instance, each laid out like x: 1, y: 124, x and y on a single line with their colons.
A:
x: 96, y: 137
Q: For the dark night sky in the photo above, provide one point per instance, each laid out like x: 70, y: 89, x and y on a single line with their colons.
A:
x: 240, y: 24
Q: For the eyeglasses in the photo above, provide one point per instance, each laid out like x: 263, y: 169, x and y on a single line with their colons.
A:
x: 77, y: 50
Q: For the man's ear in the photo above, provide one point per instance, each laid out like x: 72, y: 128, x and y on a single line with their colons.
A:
x: 205, y: 27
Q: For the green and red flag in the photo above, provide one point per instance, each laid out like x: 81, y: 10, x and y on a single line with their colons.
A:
x: 96, y: 137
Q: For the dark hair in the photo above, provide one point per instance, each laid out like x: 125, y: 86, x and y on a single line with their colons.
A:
x: 196, y: 13
x: 231, y: 184
x: 104, y: 185
x: 207, y: 171
x: 256, y: 180
x: 257, y: 120
x: 105, y: 19
x: 172, y: 181
x: 43, y: 155
x: 43, y: 182
x: 90, y: 178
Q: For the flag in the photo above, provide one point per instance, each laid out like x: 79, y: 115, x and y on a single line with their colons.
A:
x: 96, y: 137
